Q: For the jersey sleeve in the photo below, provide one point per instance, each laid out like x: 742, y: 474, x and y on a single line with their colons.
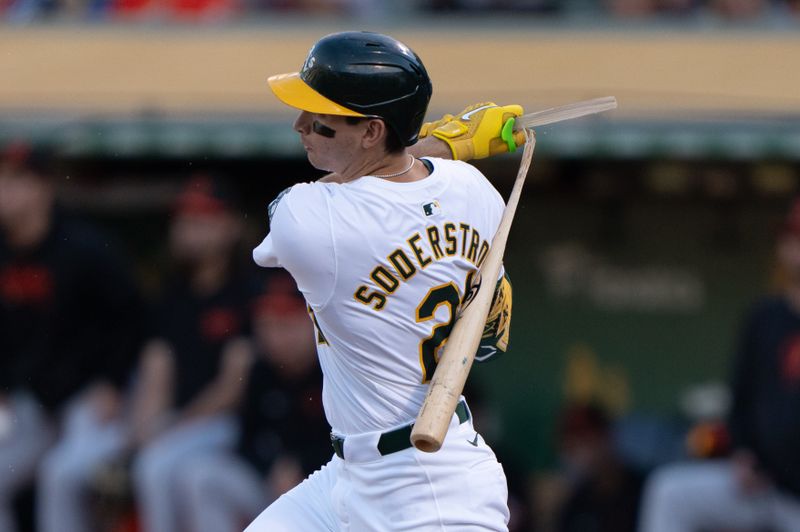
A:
x: 301, y: 241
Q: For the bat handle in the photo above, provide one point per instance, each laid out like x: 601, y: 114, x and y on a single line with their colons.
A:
x: 431, y: 426
x: 426, y: 443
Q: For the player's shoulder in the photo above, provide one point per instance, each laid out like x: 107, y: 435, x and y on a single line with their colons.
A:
x: 450, y: 166
x: 302, y: 192
x: 468, y: 177
x: 301, y: 198
x: 460, y: 172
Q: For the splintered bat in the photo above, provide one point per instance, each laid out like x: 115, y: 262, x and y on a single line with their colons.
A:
x: 458, y: 353
x: 565, y: 112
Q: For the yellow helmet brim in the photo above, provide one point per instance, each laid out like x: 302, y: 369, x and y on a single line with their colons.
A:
x: 295, y: 92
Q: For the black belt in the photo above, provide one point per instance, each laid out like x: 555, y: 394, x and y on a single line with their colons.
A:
x: 397, y: 439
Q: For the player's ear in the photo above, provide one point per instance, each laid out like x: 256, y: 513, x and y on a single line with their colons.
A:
x: 374, y: 133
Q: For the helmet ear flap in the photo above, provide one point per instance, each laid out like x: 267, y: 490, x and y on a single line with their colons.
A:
x: 418, y: 119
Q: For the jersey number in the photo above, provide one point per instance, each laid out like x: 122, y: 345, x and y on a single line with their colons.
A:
x: 429, y: 348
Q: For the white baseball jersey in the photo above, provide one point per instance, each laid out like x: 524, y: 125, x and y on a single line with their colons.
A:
x: 383, y: 267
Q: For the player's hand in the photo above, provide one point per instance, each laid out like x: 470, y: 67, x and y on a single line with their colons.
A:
x: 479, y: 131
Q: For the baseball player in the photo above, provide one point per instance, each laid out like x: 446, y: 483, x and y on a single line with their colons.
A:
x: 383, y: 250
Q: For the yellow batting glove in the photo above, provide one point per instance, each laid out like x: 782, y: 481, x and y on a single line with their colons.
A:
x: 479, y: 131
x: 428, y: 127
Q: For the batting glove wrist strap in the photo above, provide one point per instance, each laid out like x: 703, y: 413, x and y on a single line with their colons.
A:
x: 478, y: 131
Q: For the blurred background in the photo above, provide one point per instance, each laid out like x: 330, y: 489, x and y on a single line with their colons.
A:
x: 643, y: 237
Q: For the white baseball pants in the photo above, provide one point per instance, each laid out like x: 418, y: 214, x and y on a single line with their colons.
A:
x: 460, y: 488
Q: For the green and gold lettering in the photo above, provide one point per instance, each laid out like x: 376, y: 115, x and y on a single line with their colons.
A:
x: 421, y: 258
x: 475, y: 240
x: 464, y: 230
x: 374, y: 299
x: 384, y: 279
x: 452, y: 243
x: 433, y: 239
x: 482, y: 254
x: 402, y: 264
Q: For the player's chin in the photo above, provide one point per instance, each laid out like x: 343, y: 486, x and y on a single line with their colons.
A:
x: 317, y: 162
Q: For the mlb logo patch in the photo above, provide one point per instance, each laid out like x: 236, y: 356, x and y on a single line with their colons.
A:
x: 432, y: 208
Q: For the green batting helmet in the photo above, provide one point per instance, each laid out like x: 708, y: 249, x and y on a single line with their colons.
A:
x: 361, y: 74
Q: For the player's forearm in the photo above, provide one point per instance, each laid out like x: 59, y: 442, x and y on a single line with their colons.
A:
x: 431, y: 147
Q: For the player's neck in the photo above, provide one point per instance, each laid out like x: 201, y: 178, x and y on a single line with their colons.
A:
x: 399, y: 167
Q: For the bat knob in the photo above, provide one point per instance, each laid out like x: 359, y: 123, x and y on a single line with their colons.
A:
x: 425, y: 443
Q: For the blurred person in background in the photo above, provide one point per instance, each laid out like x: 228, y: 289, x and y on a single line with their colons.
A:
x: 192, y: 372
x: 530, y: 6
x: 284, y: 431
x: 631, y: 8
x: 678, y: 7
x: 70, y: 318
x: 637, y: 9
x: 758, y: 486
x: 733, y: 10
x: 602, y: 491
x: 739, y: 9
